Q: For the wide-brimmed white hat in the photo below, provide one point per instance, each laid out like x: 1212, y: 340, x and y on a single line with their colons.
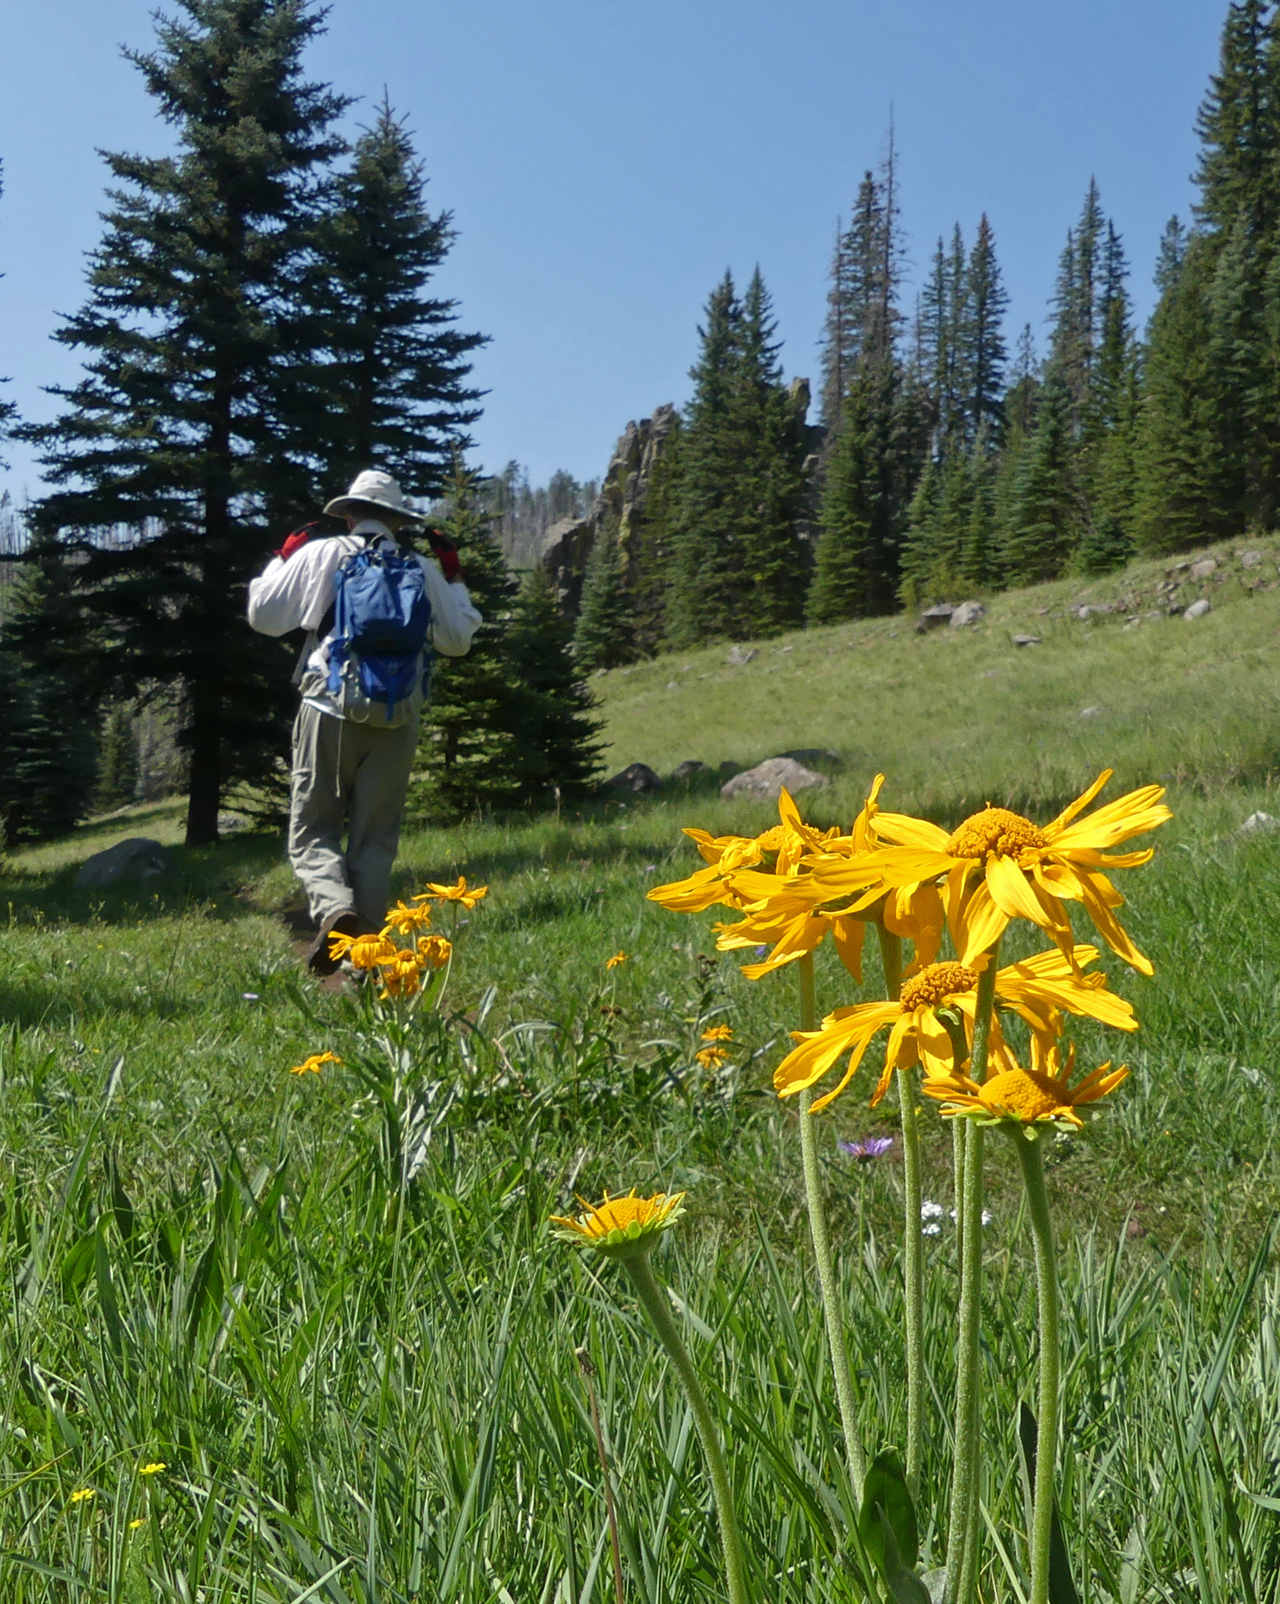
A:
x: 373, y: 488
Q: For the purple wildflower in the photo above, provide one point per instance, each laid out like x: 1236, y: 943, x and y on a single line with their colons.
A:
x: 869, y: 1148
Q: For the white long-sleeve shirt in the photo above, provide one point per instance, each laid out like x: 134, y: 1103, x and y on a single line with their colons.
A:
x: 296, y: 594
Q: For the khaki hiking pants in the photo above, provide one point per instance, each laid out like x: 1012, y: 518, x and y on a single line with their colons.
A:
x: 353, y: 773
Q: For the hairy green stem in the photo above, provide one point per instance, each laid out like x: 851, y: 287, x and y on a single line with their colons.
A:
x: 962, y: 1533
x: 656, y: 1307
x: 831, y: 1306
x: 1047, y: 1399
x: 912, y: 1237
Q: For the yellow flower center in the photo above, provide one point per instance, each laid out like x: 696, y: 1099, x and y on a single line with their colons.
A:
x: 995, y: 832
x: 935, y: 984
x: 1024, y: 1093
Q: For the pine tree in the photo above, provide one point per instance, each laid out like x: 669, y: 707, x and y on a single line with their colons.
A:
x: 392, y: 391
x: 700, y: 600
x: 8, y: 411
x: 982, y: 341
x: 117, y: 761
x: 559, y: 749
x: 856, y: 565
x: 192, y: 336
x: 602, y: 636
x: 769, y: 490
x: 471, y: 726
x: 1043, y: 519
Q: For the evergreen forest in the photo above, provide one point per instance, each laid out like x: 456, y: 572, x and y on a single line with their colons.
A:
x: 260, y: 320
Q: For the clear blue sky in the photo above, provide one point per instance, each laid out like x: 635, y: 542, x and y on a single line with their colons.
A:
x: 606, y: 162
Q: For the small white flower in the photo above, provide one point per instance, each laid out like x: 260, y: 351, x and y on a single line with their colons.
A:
x: 987, y: 1216
x: 932, y: 1229
x: 249, y: 996
x: 929, y: 1210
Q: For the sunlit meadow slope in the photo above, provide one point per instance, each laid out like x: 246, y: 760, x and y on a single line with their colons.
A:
x: 958, y: 717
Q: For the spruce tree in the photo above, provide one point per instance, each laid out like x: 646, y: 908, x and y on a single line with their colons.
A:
x: 392, y: 391
x: 703, y: 570
x: 470, y: 728
x: 602, y: 636
x: 855, y: 570
x: 1044, y: 518
x: 117, y: 761
x: 558, y: 745
x: 985, y: 354
x: 767, y: 429
x: 194, y: 329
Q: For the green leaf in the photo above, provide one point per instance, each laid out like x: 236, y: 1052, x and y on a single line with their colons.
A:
x: 1062, y: 1590
x: 887, y: 1527
x: 885, y: 1492
x: 77, y: 1265
x: 905, y: 1587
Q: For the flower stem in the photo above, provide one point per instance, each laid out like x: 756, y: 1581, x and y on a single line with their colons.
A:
x: 831, y: 1305
x: 655, y: 1306
x: 1047, y: 1400
x: 912, y: 1237
x: 962, y: 1536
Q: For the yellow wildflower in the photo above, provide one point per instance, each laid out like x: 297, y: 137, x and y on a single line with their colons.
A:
x: 365, y: 952
x: 784, y: 908
x: 467, y: 896
x: 83, y: 1494
x: 1039, y: 989
x: 434, y: 952
x: 401, y: 974
x: 1000, y: 866
x: 712, y: 1057
x: 621, y: 1226
x: 152, y: 1469
x: 618, y: 958
x: 314, y: 1064
x: 404, y: 921
x: 140, y: 1520
x: 1041, y: 1095
x: 718, y: 1033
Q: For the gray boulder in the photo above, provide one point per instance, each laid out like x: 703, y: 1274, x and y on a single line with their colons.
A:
x: 934, y: 617
x: 1026, y: 640
x: 1197, y: 609
x: 765, y: 782
x: 1251, y: 559
x: 967, y: 613
x: 740, y: 656
x: 1203, y: 568
x: 637, y: 778
x: 1257, y: 822
x: 137, y: 861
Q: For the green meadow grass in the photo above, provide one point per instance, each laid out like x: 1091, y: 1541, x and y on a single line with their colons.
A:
x: 203, y: 1267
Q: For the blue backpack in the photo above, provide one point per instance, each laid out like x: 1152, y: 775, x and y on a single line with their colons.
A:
x: 378, y: 652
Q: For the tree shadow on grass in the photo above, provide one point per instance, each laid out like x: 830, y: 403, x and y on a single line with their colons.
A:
x: 218, y: 880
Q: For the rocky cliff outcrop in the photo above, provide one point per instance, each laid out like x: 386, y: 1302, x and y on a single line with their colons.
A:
x: 564, y: 549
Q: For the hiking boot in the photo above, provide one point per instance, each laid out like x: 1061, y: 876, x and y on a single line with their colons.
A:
x: 319, y: 959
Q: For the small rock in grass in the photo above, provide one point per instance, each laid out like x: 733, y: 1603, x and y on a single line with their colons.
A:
x: 1026, y: 640
x: 740, y: 656
x: 767, y: 780
x: 934, y: 617
x: 1090, y: 712
x: 672, y: 685
x: 1257, y: 822
x: 1251, y: 559
x: 1197, y: 609
x: 636, y: 777
x: 1203, y: 568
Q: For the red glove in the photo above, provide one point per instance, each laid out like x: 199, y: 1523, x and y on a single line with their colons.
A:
x: 445, y: 553
x: 297, y: 540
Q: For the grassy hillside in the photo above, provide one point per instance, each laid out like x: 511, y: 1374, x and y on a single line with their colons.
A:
x: 958, y: 717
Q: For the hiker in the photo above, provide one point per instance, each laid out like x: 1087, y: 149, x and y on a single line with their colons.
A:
x: 374, y: 615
